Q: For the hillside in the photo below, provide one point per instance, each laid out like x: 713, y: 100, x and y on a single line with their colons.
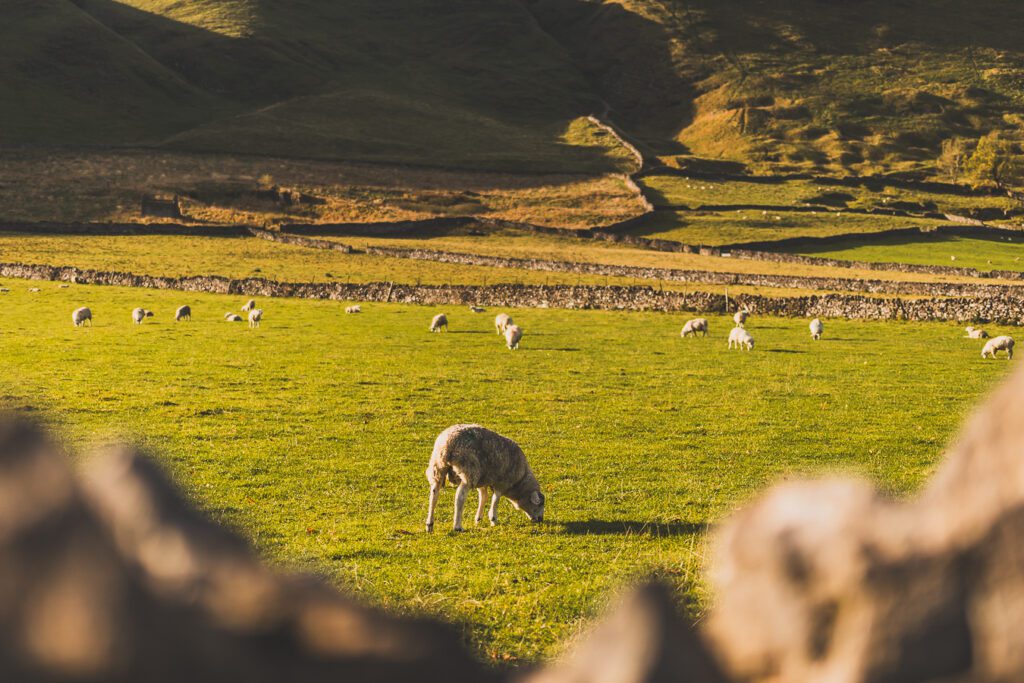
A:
x: 454, y: 83
x: 829, y: 86
x: 847, y: 86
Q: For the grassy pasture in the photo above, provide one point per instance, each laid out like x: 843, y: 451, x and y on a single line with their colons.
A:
x: 311, y: 434
x: 737, y: 227
x: 669, y: 190
x: 938, y: 250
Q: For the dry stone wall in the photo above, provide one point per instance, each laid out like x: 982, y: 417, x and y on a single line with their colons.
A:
x: 1004, y: 309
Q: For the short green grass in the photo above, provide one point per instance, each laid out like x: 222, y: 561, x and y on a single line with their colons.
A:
x: 737, y: 227
x: 668, y: 190
x: 311, y: 434
x: 932, y: 250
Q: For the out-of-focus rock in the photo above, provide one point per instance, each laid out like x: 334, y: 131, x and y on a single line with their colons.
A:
x: 642, y: 640
x: 121, y: 580
x: 828, y: 581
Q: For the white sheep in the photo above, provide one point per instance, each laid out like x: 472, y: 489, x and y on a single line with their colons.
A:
x: 63, y: 286
x: 993, y: 346
x: 353, y: 309
x: 816, y: 329
x: 233, y: 317
x: 470, y: 456
x: 975, y: 333
x: 250, y: 305
x: 440, y: 320
x: 183, y: 313
x: 81, y: 316
x: 477, y: 309
x: 513, y: 333
x: 740, y: 338
x: 255, y: 316
x: 741, y: 317
x: 34, y: 290
x: 501, y: 321
x: 694, y: 326
x: 140, y: 314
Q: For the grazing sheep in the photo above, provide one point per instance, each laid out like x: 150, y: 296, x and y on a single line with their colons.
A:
x: 233, y: 317
x: 140, y: 314
x: 471, y: 456
x: 34, y: 289
x: 183, y: 313
x: 741, y: 317
x: 993, y: 346
x: 477, y: 309
x: 63, y: 286
x: 694, y: 326
x: 740, y: 338
x: 513, y: 333
x: 250, y: 305
x: 353, y: 309
x: 255, y: 316
x: 975, y: 333
x: 440, y: 320
x: 80, y: 316
x: 501, y: 321
x: 816, y: 329
x: 4, y: 290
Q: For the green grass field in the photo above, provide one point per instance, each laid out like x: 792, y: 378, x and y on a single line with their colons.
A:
x: 737, y: 227
x: 668, y: 190
x: 932, y: 250
x: 311, y: 434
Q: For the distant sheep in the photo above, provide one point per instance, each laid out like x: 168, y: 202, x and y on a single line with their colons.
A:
x: 81, y: 316
x: 502, y: 321
x: 440, y: 320
x: 740, y: 339
x: 233, y: 318
x: 975, y: 333
x: 183, y: 313
x: 63, y: 286
x: 513, y: 333
x: 993, y: 346
x: 255, y: 316
x: 472, y: 457
x: 477, y: 309
x: 741, y: 317
x: 694, y: 326
x: 353, y: 309
x: 816, y: 329
x: 250, y: 305
x: 34, y: 289
x: 140, y: 314
x: 4, y: 290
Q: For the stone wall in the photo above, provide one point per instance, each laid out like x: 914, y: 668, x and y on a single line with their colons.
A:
x: 1005, y: 309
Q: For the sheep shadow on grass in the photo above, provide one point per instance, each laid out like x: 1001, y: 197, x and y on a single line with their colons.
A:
x: 602, y: 527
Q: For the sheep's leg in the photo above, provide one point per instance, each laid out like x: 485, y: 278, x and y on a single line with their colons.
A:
x: 480, y: 506
x: 493, y: 514
x: 460, y: 501
x: 435, y: 490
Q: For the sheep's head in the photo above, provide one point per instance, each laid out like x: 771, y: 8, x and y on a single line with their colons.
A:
x: 532, y: 505
x: 750, y: 344
x: 149, y: 314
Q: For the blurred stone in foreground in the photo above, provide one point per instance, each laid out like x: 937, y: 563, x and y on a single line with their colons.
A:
x: 120, y: 580
x: 828, y: 581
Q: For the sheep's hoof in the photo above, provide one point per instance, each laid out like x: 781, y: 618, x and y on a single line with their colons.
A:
x: 457, y: 530
x: 430, y: 527
x: 494, y: 522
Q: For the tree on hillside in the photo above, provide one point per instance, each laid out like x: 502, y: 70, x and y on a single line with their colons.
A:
x: 995, y: 161
x: 954, y: 156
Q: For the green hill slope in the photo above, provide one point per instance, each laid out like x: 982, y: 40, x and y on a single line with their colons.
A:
x: 452, y: 83
x: 832, y: 86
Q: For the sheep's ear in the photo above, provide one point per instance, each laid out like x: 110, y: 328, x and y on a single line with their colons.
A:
x: 536, y: 498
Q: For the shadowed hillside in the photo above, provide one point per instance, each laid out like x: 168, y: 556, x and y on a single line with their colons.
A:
x: 454, y: 83
x: 830, y: 86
